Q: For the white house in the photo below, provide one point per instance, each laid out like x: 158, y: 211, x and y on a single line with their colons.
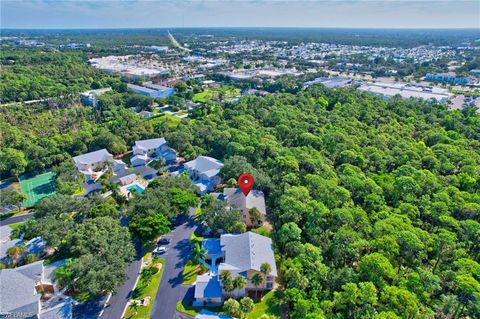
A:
x: 147, y: 150
x: 204, y: 171
x: 92, y: 164
x: 241, y: 255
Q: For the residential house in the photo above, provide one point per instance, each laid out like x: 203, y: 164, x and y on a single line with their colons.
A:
x: 254, y: 199
x: 146, y: 114
x: 118, y: 166
x: 204, y: 171
x: 92, y: 164
x: 28, y: 292
x: 35, y: 246
x: 208, y: 290
x: 241, y: 255
x: 153, y: 149
x: 90, y: 98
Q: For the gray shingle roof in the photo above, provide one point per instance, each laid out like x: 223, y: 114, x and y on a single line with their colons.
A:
x: 92, y: 157
x: 248, y: 251
x: 17, y: 289
x: 151, y: 143
x: 205, y: 165
x: 234, y: 196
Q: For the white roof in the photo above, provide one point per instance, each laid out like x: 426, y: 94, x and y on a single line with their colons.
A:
x: 247, y: 251
x: 92, y: 157
x: 128, y: 178
x: 151, y: 143
x: 205, y: 165
x: 406, y: 90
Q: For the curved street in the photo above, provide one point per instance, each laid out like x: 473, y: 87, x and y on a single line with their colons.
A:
x: 171, y: 289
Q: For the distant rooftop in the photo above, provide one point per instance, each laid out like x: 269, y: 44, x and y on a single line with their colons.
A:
x: 92, y: 157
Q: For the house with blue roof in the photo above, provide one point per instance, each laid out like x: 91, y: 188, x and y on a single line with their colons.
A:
x: 241, y: 255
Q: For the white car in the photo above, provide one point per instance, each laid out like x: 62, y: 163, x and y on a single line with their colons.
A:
x: 159, y: 250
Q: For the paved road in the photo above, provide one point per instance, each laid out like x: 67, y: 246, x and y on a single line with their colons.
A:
x: 117, y: 302
x: 15, y: 219
x: 171, y: 289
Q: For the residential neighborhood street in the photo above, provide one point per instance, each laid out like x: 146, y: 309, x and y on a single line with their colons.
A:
x: 171, y: 289
x: 117, y: 303
x: 15, y: 219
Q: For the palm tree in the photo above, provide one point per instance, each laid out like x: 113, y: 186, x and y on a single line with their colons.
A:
x: 256, y: 281
x: 198, y: 252
x: 18, y: 198
x: 265, y: 268
x: 240, y: 282
x: 227, y: 281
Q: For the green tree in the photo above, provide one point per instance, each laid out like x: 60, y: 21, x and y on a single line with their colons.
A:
x: 376, y: 268
x: 256, y: 280
x: 246, y: 306
x: 232, y: 307
x: 12, y: 162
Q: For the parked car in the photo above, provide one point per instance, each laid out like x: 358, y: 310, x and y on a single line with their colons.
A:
x: 159, y: 250
x: 163, y: 241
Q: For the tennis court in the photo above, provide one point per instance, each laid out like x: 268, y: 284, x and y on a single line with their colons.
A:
x: 37, y: 187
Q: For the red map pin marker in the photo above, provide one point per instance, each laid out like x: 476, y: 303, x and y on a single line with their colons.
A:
x: 245, y: 182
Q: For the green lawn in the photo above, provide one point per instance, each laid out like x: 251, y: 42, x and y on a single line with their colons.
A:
x: 144, y: 289
x: 262, y: 230
x: 36, y: 188
x: 209, y: 94
x: 167, y: 119
x: 191, y: 271
x: 265, y: 306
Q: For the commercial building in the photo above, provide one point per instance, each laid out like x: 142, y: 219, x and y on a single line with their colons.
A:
x: 153, y: 90
x: 330, y: 83
x: 406, y: 90
x: 447, y: 78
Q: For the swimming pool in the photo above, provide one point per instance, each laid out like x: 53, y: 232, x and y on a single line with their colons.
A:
x: 135, y: 188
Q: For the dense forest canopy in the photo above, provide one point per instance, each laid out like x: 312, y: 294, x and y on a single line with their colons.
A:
x: 157, y: 36
x: 376, y: 205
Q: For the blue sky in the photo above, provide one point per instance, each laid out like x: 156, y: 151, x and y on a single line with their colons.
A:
x: 238, y: 13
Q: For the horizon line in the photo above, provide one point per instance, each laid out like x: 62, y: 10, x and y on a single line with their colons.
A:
x: 240, y: 27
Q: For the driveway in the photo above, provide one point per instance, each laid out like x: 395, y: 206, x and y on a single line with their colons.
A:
x: 171, y: 289
x: 118, y: 302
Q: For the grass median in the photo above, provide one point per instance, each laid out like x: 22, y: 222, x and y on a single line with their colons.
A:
x: 146, y: 288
